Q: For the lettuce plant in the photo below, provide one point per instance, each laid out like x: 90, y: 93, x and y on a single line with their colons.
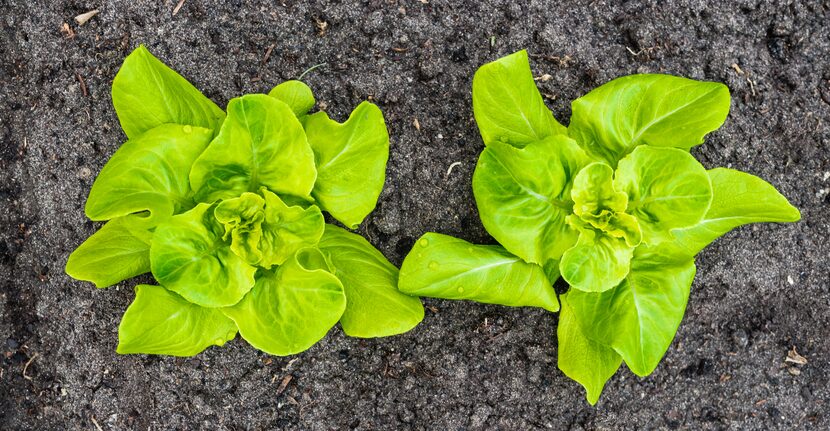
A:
x: 226, y: 211
x: 614, y: 203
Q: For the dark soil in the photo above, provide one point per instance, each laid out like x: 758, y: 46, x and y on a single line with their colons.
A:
x: 759, y: 291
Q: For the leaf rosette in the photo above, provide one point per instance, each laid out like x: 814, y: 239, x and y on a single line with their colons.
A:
x: 614, y: 203
x: 226, y: 211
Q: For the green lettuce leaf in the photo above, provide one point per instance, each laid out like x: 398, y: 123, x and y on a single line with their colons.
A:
x: 524, y: 196
x: 374, y: 306
x: 738, y: 198
x: 597, y: 262
x: 291, y: 309
x: 590, y: 363
x: 287, y: 229
x: 146, y: 94
x: 625, y: 226
x: 507, y: 105
x: 159, y: 322
x: 261, y: 143
x: 593, y: 191
x: 667, y: 189
x: 118, y: 251
x: 351, y: 162
x: 190, y: 257
x: 148, y: 172
x: 296, y: 95
x: 656, y: 110
x: 640, y: 317
x: 440, y: 266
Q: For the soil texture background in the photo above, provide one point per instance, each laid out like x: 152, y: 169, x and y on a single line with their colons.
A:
x: 760, y: 290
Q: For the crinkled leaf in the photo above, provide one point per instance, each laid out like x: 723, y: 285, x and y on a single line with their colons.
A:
x: 593, y: 191
x: 146, y: 94
x: 590, y: 363
x: 374, y: 306
x: 242, y: 219
x: 189, y: 256
x: 738, y: 198
x: 296, y: 95
x: 656, y: 110
x: 597, y: 262
x: 118, y: 251
x: 247, y: 209
x: 666, y: 187
x: 287, y: 229
x: 617, y: 225
x: 640, y: 317
x: 261, y: 143
x: 148, y: 172
x: 625, y: 226
x: 524, y: 195
x: 441, y: 266
x: 291, y: 309
x: 351, y: 162
x: 159, y: 322
x: 507, y: 105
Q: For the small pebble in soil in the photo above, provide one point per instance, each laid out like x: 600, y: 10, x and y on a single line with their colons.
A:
x: 740, y: 338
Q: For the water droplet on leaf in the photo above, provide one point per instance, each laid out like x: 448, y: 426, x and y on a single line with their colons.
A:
x: 433, y: 265
x: 187, y: 129
x: 423, y: 242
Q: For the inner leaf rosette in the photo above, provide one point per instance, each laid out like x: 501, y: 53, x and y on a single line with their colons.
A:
x: 652, y: 191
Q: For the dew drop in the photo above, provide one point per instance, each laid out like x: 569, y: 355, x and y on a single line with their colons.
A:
x: 433, y: 265
x: 460, y: 290
x: 423, y: 242
x: 187, y: 129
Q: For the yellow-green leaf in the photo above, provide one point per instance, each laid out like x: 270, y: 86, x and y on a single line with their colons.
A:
x: 148, y: 173
x: 351, y: 162
x: 190, y: 257
x: 261, y: 143
x: 440, y: 266
x: 655, y: 110
x: 291, y: 309
x: 374, y: 306
x: 146, y: 94
x: 118, y: 251
x: 507, y: 105
x: 159, y: 322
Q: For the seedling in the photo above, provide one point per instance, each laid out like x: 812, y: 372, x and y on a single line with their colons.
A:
x: 226, y: 211
x: 614, y: 203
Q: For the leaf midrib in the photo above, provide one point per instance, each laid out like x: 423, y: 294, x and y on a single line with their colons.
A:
x: 651, y: 123
x: 482, y: 268
x: 254, y: 176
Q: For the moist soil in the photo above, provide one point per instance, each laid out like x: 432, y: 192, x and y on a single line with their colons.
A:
x: 760, y: 291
